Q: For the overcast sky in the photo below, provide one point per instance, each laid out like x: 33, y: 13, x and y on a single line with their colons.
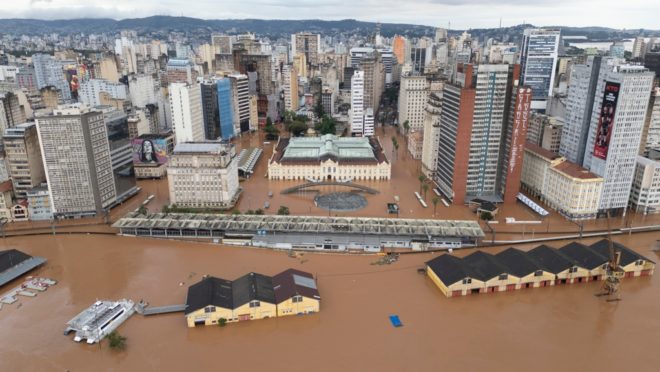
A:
x: 461, y: 13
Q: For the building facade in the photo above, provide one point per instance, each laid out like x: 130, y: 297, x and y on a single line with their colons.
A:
x: 39, y: 206
x: 538, y: 61
x: 187, y: 116
x: 645, y: 194
x: 23, y: 157
x: 329, y: 158
x: 76, y: 156
x: 203, y: 175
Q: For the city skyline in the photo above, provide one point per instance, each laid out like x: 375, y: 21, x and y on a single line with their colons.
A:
x: 465, y: 14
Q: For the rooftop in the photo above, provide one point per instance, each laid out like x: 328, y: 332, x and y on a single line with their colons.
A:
x: 303, y: 224
x: 329, y: 146
x: 540, y: 151
x: 575, y: 171
x: 201, y: 148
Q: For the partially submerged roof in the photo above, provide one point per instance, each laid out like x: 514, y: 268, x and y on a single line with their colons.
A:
x: 14, y: 263
x: 628, y: 256
x: 449, y: 269
x: 519, y: 263
x: 583, y: 256
x: 253, y: 287
x: 485, y: 266
x: 210, y: 291
x: 294, y: 282
x: 550, y: 259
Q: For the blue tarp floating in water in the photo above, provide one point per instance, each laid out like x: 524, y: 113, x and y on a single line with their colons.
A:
x: 396, y: 322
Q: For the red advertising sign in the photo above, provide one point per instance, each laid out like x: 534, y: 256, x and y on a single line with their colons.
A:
x: 606, y: 121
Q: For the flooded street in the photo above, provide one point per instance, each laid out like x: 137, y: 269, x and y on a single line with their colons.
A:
x: 545, y: 329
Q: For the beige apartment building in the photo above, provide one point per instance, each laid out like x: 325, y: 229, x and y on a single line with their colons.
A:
x: 203, y: 175
x: 566, y: 187
x: 23, y: 156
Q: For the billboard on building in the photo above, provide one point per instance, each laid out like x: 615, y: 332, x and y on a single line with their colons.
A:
x: 606, y: 121
x: 149, y: 151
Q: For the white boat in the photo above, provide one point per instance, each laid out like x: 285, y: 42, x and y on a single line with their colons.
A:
x: 99, y: 320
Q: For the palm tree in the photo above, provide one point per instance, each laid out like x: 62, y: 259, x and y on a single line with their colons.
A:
x: 426, y: 188
x: 422, y: 179
x: 435, y: 201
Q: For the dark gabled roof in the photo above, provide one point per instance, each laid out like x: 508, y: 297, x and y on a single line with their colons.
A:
x: 294, y: 282
x: 519, y: 263
x: 11, y: 258
x: 209, y: 291
x: 628, y: 256
x: 550, y: 259
x: 449, y: 269
x: 484, y: 266
x: 583, y: 256
x: 251, y: 287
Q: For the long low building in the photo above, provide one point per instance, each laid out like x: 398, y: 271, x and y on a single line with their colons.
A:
x: 305, y: 232
x: 542, y: 266
x: 250, y: 297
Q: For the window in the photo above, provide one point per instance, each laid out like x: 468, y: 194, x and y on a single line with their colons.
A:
x: 639, y: 262
x: 296, y: 299
x: 504, y: 276
x: 538, y: 273
x: 573, y: 269
x: 467, y: 281
x: 209, y: 309
x: 255, y: 304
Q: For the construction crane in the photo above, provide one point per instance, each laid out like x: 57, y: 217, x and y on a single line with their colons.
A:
x: 613, y: 271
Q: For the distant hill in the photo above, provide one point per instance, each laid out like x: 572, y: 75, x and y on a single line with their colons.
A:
x: 273, y: 28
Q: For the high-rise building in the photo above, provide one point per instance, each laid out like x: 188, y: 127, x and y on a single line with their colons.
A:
x: 374, y: 79
x: 90, y: 91
x: 545, y: 131
x: 50, y: 72
x: 328, y: 100
x: 431, y: 142
x: 615, y: 131
x: 538, y: 60
x: 186, y: 108
x: 639, y: 48
x: 76, y: 157
x: 116, y: 122
x: 645, y: 194
x: 420, y: 58
x: 308, y: 44
x: 290, y: 87
x: 357, y: 103
x: 203, y: 175
x: 399, y: 48
x: 482, y: 130
x: 11, y: 112
x: 23, y: 158
x: 651, y: 133
x: 221, y: 43
x: 413, y: 94
x: 180, y: 71
x: 579, y: 108
x: 226, y: 108
x: 240, y: 93
x: 210, y: 111
x: 144, y: 90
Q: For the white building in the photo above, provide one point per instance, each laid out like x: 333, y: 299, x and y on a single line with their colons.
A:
x: 240, y: 92
x: 615, y: 133
x: 203, y: 175
x: 76, y: 157
x: 431, y: 141
x: 49, y: 72
x: 144, y: 90
x: 186, y: 108
x: 90, y: 91
x: 645, y: 194
x: 413, y: 94
x: 369, y: 122
x: 651, y: 136
x: 290, y: 87
x: 357, y: 103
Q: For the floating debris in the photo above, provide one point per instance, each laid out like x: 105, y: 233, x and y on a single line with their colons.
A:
x: 27, y: 289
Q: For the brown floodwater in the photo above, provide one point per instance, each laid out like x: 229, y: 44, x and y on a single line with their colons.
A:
x: 545, y: 329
